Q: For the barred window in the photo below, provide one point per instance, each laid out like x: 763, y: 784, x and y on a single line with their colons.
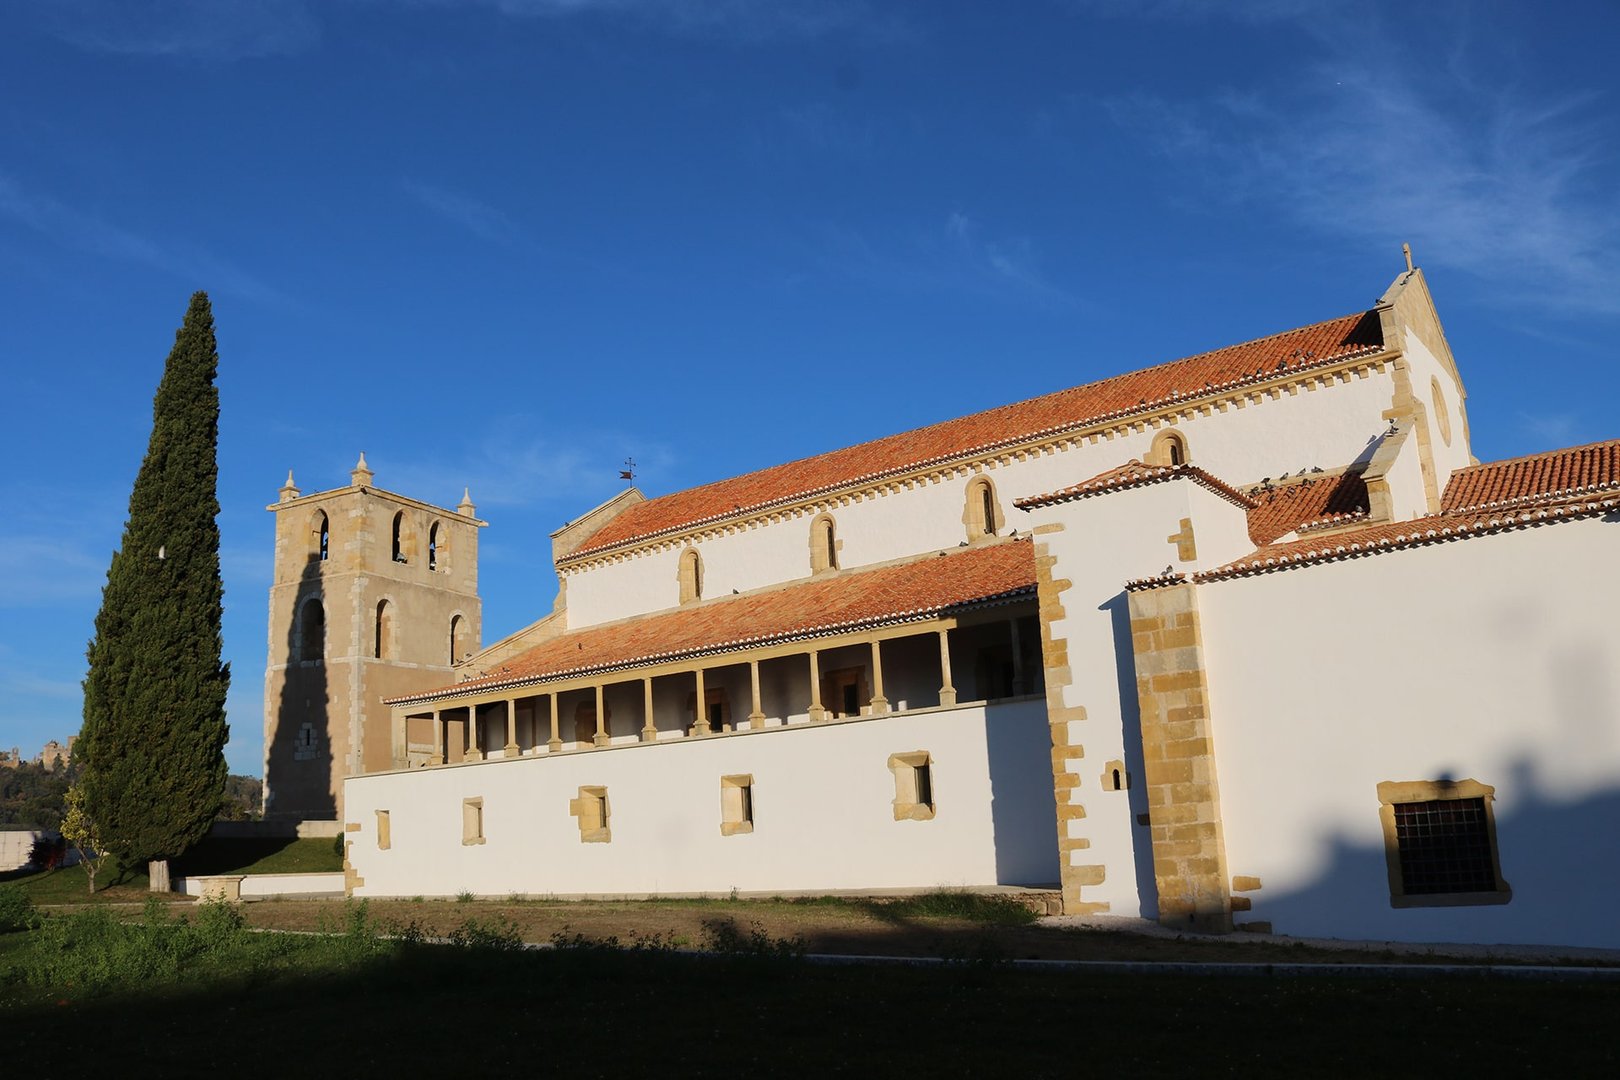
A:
x: 1440, y: 843
x: 1445, y: 846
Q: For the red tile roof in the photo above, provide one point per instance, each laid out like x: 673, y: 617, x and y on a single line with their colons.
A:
x: 1389, y: 536
x: 908, y: 591
x: 1555, y: 474
x: 1135, y: 474
x: 1142, y: 391
x: 1286, y: 507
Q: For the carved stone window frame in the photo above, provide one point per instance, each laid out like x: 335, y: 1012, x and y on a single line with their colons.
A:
x: 1394, y: 792
x: 915, y: 793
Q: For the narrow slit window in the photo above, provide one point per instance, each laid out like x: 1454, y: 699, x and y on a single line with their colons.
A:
x: 591, y: 811
x: 913, y: 785
x: 433, y: 547
x: 736, y: 805
x: 472, y: 821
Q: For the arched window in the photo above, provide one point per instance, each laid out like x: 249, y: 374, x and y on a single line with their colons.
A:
x: 458, y: 637
x: 823, y: 544
x: 399, y: 537
x: 384, y: 640
x: 982, y: 514
x: 691, y: 576
x: 312, y: 631
x: 320, y: 537
x: 433, y: 547
x: 1169, y: 448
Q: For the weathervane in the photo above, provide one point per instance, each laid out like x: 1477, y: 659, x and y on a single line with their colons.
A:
x: 629, y: 470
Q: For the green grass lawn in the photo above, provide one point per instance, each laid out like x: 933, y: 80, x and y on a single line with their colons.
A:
x: 264, y: 855
x: 212, y: 856
x: 71, y: 886
x: 205, y: 995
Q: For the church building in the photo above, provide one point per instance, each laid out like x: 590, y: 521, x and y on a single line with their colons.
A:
x: 1247, y: 640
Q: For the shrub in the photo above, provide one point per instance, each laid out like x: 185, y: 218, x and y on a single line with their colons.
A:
x: 48, y: 852
x: 16, y: 910
x: 725, y: 937
x: 500, y: 934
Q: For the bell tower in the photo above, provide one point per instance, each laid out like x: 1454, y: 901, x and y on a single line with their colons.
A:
x: 375, y: 595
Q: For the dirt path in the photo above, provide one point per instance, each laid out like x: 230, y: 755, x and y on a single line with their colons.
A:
x: 858, y: 927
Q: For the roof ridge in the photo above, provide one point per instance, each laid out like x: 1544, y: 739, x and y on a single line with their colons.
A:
x: 1343, y: 350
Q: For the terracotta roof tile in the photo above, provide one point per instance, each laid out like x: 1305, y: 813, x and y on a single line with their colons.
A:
x: 1139, y: 391
x: 1389, y: 536
x: 1135, y: 474
x: 1284, y: 508
x: 1576, y: 469
x: 912, y: 590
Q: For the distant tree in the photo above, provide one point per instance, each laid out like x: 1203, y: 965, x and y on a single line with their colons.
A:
x: 80, y: 830
x: 244, y: 799
x: 152, y: 747
x: 31, y: 794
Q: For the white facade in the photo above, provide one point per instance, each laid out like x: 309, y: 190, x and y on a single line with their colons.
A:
x: 823, y: 802
x: 1493, y: 659
x: 1212, y: 765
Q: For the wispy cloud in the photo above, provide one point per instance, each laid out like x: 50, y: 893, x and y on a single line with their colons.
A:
x: 953, y: 255
x: 504, y: 471
x: 1492, y: 180
x: 735, y: 19
x: 222, y: 30
x: 49, y: 571
x: 202, y: 29
x: 63, y: 224
x: 464, y: 211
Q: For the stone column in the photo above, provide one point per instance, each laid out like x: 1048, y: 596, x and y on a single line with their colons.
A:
x: 649, y: 730
x: 947, y: 692
x: 440, y: 750
x: 756, y: 719
x: 474, y: 753
x: 601, y: 738
x: 1017, y: 658
x: 700, y: 710
x: 555, y: 742
x: 880, y: 704
x: 817, y: 713
x: 512, y: 748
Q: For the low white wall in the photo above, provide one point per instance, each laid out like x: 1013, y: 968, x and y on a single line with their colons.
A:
x: 1495, y: 659
x: 823, y: 813
x: 15, y: 845
x: 260, y: 886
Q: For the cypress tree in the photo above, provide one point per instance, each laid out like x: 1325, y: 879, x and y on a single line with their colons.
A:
x: 154, y: 731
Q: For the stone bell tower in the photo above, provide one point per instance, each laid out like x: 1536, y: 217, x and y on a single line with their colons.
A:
x: 375, y: 595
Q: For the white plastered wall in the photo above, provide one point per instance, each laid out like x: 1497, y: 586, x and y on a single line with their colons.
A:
x: 1493, y: 659
x: 1328, y: 427
x: 1427, y: 372
x: 1107, y: 540
x: 823, y: 807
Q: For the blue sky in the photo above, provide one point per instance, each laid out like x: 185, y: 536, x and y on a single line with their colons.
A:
x: 505, y: 244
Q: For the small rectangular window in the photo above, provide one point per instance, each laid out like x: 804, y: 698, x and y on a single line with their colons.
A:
x: 736, y: 805
x: 385, y: 835
x: 1440, y: 843
x: 591, y: 810
x: 913, y: 785
x: 472, y: 821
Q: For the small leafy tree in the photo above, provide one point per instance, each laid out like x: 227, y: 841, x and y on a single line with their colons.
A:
x: 79, y: 829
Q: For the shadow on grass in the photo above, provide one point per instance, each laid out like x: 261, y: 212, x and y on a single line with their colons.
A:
x: 220, y: 855
x: 689, y: 1016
